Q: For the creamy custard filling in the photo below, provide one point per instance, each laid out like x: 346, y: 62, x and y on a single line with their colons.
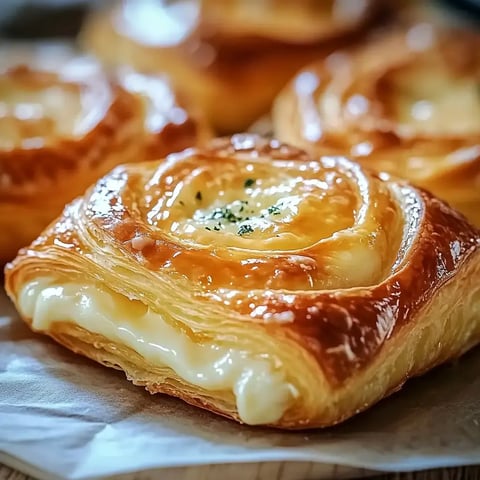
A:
x: 262, y: 394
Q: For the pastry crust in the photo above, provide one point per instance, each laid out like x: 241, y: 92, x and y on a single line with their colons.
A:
x: 406, y: 103
x: 233, y: 76
x: 344, y: 310
x: 61, y: 130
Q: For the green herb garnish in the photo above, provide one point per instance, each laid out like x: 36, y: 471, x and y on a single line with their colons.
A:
x: 244, y: 229
x: 249, y: 182
x: 224, y: 213
x: 274, y: 210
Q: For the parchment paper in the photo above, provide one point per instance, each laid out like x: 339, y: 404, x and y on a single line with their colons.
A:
x: 74, y: 419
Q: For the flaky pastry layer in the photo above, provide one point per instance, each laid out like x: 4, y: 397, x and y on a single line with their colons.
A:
x: 330, y: 286
x: 61, y: 130
x: 406, y: 103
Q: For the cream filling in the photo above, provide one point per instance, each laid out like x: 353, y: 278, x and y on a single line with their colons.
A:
x: 262, y: 393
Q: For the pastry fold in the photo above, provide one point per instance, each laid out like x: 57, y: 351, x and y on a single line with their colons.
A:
x: 256, y: 281
x: 231, y: 57
x: 62, y: 129
x: 406, y: 103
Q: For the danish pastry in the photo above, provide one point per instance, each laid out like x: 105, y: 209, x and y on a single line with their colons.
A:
x: 60, y: 132
x: 255, y: 281
x: 408, y: 103
x: 233, y: 79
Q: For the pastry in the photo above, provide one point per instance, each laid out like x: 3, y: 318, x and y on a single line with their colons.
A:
x: 258, y: 282
x: 407, y: 103
x: 63, y: 129
x: 234, y: 78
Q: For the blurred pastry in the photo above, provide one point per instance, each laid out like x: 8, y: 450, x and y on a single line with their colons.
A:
x: 209, y: 277
x: 407, y: 103
x: 61, y: 130
x: 213, y: 53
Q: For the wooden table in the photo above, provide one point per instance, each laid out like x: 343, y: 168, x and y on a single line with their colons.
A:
x: 204, y: 473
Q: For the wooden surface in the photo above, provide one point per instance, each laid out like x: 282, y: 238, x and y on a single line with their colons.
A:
x: 210, y: 473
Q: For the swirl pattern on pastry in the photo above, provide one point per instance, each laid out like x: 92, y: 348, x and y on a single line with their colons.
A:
x: 407, y: 103
x: 63, y: 129
x: 182, y: 39
x: 256, y: 281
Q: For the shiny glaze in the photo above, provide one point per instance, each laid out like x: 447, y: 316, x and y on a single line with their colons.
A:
x: 320, y: 287
x: 141, y: 21
x: 406, y: 103
x: 38, y: 106
x: 171, y: 123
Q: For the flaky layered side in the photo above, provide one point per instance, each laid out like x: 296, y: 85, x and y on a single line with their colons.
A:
x: 406, y: 103
x: 253, y: 280
x: 61, y: 130
x: 233, y: 67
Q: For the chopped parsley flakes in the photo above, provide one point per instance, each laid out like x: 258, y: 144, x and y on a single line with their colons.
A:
x: 232, y: 214
x: 224, y: 213
x: 274, y: 210
x: 236, y: 213
x: 249, y: 182
x: 244, y: 229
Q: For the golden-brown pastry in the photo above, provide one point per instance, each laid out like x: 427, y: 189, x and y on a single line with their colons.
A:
x: 233, y: 79
x: 62, y: 130
x: 407, y: 103
x: 255, y: 281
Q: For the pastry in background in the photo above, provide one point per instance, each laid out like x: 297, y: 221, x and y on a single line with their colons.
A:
x: 256, y: 281
x: 407, y: 103
x: 61, y: 130
x: 231, y: 57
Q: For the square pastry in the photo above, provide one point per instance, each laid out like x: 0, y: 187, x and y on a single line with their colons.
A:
x: 256, y: 281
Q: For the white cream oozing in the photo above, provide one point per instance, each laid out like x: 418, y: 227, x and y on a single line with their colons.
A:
x: 262, y: 393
